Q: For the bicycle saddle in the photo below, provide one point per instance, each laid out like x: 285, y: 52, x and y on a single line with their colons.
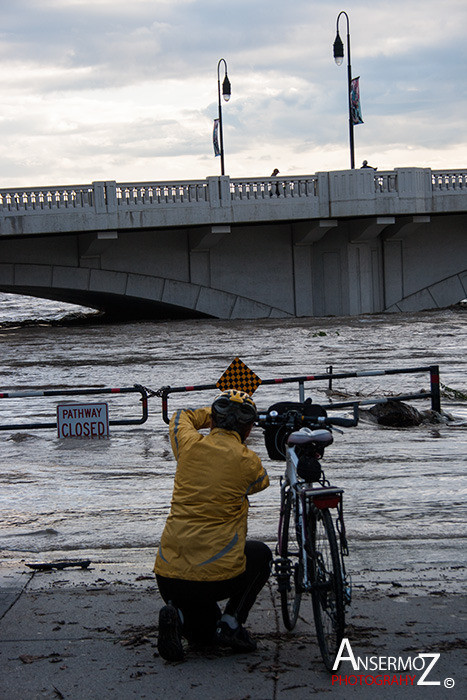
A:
x: 306, y: 436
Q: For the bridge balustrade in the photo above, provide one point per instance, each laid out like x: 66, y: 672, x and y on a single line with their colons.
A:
x: 38, y: 199
x: 162, y: 193
x: 241, y: 189
x: 449, y: 180
x: 385, y: 182
x: 348, y: 186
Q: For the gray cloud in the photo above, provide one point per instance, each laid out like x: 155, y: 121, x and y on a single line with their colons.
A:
x: 85, y: 83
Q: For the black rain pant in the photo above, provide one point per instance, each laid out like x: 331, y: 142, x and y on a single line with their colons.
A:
x: 198, y: 600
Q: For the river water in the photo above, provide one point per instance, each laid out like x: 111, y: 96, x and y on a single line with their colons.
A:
x: 108, y: 499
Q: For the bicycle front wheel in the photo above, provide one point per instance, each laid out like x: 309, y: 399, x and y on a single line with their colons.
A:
x: 327, y: 591
x: 289, y: 564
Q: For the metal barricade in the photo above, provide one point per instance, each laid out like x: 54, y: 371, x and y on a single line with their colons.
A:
x: 433, y: 393
x: 136, y: 388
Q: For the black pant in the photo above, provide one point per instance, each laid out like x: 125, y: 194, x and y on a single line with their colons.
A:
x: 198, y: 599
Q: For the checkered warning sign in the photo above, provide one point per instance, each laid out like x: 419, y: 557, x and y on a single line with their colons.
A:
x: 239, y: 376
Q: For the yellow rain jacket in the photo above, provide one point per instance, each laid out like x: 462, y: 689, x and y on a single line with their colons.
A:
x: 204, y: 536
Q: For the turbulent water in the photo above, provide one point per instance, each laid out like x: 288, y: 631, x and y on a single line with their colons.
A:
x: 108, y: 498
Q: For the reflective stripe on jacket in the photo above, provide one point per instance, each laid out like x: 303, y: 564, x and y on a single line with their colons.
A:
x: 204, y: 536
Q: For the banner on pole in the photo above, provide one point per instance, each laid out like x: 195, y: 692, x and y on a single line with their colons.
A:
x: 355, y: 109
x: 215, y: 138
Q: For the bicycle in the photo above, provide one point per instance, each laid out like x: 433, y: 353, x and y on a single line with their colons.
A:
x: 309, y: 555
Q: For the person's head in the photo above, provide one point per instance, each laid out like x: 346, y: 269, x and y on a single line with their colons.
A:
x: 234, y: 410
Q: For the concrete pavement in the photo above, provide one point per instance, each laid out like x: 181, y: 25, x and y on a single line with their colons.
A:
x: 92, y: 634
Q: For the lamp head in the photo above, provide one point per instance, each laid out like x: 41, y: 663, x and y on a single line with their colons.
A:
x: 226, y: 89
x: 338, y: 50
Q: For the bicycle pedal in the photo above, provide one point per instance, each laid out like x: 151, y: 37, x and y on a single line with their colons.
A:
x: 282, y: 568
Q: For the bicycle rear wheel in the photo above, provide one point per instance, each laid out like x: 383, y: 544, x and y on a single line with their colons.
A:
x: 327, y: 591
x: 288, y: 565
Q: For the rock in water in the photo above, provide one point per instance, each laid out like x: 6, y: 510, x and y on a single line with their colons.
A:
x: 396, y: 414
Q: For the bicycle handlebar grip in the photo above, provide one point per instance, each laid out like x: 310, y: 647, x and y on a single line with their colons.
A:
x: 343, y: 422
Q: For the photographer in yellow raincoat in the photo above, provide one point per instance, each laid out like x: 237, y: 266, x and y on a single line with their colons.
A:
x: 204, y: 556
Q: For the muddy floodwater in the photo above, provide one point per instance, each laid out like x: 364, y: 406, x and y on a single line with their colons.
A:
x: 107, y: 499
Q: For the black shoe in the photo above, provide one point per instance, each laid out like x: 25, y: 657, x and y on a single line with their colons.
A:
x: 238, y: 639
x: 169, y: 643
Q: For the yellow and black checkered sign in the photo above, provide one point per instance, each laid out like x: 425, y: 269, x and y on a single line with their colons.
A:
x: 239, y: 376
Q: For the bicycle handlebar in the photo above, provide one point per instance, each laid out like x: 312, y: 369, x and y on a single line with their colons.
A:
x: 274, y: 418
x: 343, y: 422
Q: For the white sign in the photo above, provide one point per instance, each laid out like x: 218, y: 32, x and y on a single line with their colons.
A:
x: 78, y: 420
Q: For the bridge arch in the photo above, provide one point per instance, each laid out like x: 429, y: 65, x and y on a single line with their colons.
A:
x: 446, y: 292
x: 123, y: 295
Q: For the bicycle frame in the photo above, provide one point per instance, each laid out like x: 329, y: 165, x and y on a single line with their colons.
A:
x: 306, y: 498
x: 290, y: 482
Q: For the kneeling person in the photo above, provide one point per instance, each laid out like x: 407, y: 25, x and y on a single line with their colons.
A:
x: 203, y: 556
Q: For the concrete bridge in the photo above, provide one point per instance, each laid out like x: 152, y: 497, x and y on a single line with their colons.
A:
x: 333, y: 243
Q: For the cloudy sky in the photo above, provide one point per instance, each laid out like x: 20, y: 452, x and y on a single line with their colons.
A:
x: 126, y: 90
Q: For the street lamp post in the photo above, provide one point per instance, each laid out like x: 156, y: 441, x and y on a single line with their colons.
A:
x: 226, y: 95
x: 339, y: 57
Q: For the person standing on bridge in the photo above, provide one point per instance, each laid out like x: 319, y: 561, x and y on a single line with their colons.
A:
x: 204, y: 556
x: 274, y: 191
x: 365, y: 165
